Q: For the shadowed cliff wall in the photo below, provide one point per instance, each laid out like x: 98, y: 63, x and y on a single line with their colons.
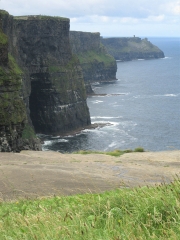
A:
x: 52, y: 86
x: 96, y: 63
x: 15, y: 133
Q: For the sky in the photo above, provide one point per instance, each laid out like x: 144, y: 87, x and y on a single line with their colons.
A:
x: 115, y: 18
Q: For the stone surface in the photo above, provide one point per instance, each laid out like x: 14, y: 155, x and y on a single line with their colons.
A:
x: 37, y: 174
x: 126, y: 49
x: 51, y: 85
x: 96, y: 63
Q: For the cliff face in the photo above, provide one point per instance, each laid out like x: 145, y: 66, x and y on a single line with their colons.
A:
x: 96, y: 63
x: 126, y: 49
x: 15, y: 134
x: 52, y: 86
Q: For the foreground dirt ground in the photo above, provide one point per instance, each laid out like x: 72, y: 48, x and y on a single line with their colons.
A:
x: 33, y: 174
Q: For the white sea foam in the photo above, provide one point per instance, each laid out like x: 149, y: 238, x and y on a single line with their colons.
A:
x: 171, y: 95
x: 51, y: 142
x: 102, y: 117
x: 56, y: 137
x: 167, y: 95
x: 97, y: 101
x: 62, y: 140
x: 141, y: 59
x: 113, y: 144
x: 109, y: 123
x: 95, y: 83
x: 48, y: 143
x: 166, y: 58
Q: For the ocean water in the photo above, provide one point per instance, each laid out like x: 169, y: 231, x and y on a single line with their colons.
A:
x: 141, y: 108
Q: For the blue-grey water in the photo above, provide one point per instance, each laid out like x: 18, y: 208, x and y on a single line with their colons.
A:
x: 142, y: 106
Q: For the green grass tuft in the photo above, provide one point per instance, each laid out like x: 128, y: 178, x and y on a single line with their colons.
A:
x: 139, y: 149
x: 3, y: 38
x: 94, y: 57
x: 139, y: 213
x: 115, y: 153
x: 28, y: 132
x: 13, y: 65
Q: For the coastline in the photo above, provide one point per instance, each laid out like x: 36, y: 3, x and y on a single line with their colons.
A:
x: 76, y: 131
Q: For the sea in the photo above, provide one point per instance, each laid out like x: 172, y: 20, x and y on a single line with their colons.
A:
x: 140, y: 109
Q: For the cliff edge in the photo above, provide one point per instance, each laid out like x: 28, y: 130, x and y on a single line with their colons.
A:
x: 15, y: 132
x: 129, y: 48
x: 97, y: 64
x: 48, y: 77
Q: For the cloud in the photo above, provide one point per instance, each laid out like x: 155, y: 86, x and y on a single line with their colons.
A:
x: 172, y: 8
x: 78, y: 8
x: 101, y: 13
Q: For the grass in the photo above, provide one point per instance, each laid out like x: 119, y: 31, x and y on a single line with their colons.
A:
x: 94, y: 57
x: 28, y: 132
x: 115, y: 153
x: 40, y: 17
x: 3, y: 38
x: 13, y: 65
x: 139, y: 213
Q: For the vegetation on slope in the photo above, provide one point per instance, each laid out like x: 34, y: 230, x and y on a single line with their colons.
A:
x: 41, y: 17
x: 92, y: 56
x: 12, y: 108
x: 3, y: 38
x: 68, y: 78
x: 115, y: 153
x: 139, y: 213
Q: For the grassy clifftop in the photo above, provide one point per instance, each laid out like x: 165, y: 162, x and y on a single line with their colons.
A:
x: 131, y: 48
x: 93, y: 56
x: 97, y: 64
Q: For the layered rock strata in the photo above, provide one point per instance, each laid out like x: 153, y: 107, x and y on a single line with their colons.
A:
x: 15, y: 132
x: 126, y: 49
x: 53, y: 96
x: 96, y: 63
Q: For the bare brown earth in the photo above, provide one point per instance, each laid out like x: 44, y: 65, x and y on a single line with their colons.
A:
x: 33, y: 174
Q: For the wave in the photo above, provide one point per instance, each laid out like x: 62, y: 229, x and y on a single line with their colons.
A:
x: 117, y: 94
x: 48, y: 143
x: 102, y: 117
x: 109, y: 123
x: 97, y: 101
x: 112, y: 145
x: 166, y: 58
x: 167, y: 95
x: 158, y: 95
x: 56, y: 137
x: 141, y: 59
x: 171, y: 95
x: 51, y: 142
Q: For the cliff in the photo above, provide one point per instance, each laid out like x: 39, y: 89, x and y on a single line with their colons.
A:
x: 15, y: 132
x: 51, y: 89
x: 96, y: 63
x: 126, y: 49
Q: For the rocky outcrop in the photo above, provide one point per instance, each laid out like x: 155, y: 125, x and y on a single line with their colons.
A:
x: 15, y: 132
x: 51, y: 92
x: 96, y: 63
x: 126, y: 49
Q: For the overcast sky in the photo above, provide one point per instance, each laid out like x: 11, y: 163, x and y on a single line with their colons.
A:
x: 109, y: 17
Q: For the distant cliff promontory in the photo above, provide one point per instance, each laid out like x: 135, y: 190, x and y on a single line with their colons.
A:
x: 129, y: 48
x: 41, y: 81
x: 97, y: 64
